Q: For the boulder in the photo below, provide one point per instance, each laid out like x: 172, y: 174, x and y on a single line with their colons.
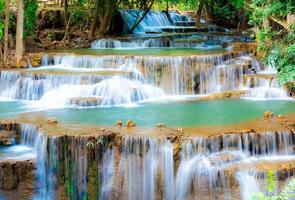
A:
x: 52, y: 121
x: 267, y: 115
x: 35, y: 59
x: 130, y: 123
x: 161, y: 125
x: 119, y: 123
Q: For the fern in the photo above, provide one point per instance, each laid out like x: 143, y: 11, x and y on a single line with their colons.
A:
x: 288, y: 192
x: 270, y: 181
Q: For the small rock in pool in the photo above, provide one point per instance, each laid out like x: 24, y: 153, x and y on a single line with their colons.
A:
x: 267, y: 115
x: 130, y: 123
x: 160, y: 125
x: 119, y: 123
x: 180, y: 130
x: 52, y: 121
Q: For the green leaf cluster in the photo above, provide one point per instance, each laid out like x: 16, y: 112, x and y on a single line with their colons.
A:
x: 288, y: 193
x: 30, y: 16
x: 2, y: 13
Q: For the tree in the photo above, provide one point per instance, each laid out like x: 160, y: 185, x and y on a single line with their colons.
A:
x: 19, y: 32
x: 203, y: 6
x: 199, y: 11
x: 275, y: 34
x: 146, y: 7
x: 5, y: 54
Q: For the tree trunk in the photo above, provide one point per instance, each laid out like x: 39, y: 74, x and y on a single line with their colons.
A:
x: 208, y: 16
x: 95, y: 20
x: 105, y: 22
x: 5, y: 54
x: 290, y: 20
x: 242, y: 19
x: 142, y: 17
x: 19, y: 32
x: 199, y: 12
x: 67, y: 21
x: 167, y: 6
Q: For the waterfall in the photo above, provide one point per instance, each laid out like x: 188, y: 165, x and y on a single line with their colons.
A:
x: 168, y: 170
x: 266, y: 89
x: 107, y: 174
x: 32, y: 138
x: 122, y: 80
x: 153, y: 21
x: 154, y: 43
x: 249, y: 185
x: 205, y: 167
x: 268, y: 143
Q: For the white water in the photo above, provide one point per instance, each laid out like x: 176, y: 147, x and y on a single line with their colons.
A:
x: 152, y: 43
x: 125, y: 80
x: 17, y: 152
x: 266, y: 89
x: 147, y: 162
x: 249, y: 185
x: 151, y: 21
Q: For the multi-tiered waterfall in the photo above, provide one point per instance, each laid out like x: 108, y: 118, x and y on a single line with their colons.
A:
x: 116, y: 80
x: 154, y: 167
x: 155, y: 21
x: 46, y: 159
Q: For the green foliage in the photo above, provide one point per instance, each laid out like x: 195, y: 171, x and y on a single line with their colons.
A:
x: 1, y: 30
x: 276, y: 44
x: 288, y: 193
x: 264, y: 9
x: 270, y: 181
x: 2, y: 13
x: 30, y: 15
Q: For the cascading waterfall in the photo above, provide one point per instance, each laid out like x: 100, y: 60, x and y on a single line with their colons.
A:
x: 153, y: 19
x: 249, y: 185
x: 168, y: 170
x: 266, y: 89
x: 200, y: 41
x: 32, y: 138
x: 121, y: 80
x: 148, y: 168
x: 154, y: 43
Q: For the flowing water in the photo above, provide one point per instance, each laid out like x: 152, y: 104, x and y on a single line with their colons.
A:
x: 123, y: 80
x: 154, y: 21
x: 205, y: 168
x: 150, y: 79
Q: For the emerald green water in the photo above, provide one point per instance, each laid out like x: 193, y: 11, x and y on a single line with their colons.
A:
x: 176, y: 114
x: 193, y: 114
x: 9, y: 109
x: 147, y: 51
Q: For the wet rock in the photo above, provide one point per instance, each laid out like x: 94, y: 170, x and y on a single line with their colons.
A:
x: 244, y: 46
x: 161, y: 125
x: 119, y: 123
x: 52, y: 121
x: 130, y: 123
x: 267, y: 115
x: 179, y: 130
x: 50, y: 19
x: 13, y: 173
x: 85, y: 101
x: 6, y: 138
x: 35, y: 59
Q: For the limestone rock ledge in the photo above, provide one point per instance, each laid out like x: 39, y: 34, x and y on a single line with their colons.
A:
x: 17, y: 179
